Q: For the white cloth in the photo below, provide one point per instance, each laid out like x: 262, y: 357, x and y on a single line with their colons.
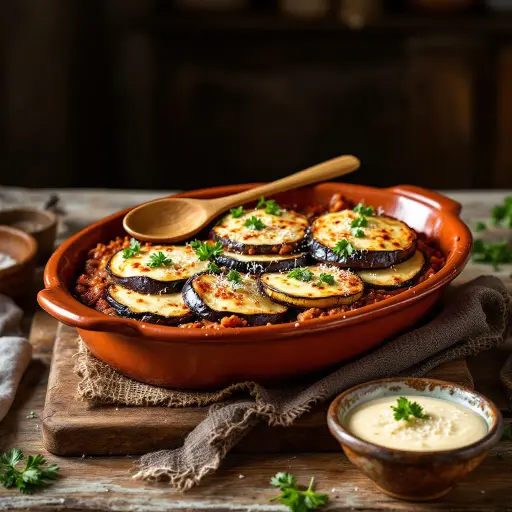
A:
x: 15, y: 353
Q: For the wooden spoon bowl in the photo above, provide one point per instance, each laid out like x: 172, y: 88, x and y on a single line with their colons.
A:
x: 175, y: 219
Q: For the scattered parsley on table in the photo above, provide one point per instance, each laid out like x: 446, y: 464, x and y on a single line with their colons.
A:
x: 294, y: 498
x: 29, y: 477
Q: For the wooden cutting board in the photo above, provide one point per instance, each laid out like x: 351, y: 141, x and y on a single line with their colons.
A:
x: 72, y: 426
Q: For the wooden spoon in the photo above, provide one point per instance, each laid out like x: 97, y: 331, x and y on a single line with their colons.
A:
x: 175, y: 219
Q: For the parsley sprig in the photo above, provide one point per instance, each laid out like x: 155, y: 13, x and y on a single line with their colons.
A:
x: 159, y: 260
x: 31, y: 477
x: 237, y: 212
x: 254, y: 223
x: 301, y: 274
x: 235, y: 277
x: 205, y: 250
x: 213, y: 268
x: 343, y: 248
x: 133, y: 250
x: 405, y: 408
x: 367, y: 211
x: 271, y: 207
x: 295, y: 499
x: 325, y: 278
x: 494, y: 253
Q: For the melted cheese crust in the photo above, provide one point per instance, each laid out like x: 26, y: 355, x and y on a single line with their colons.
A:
x: 381, y: 234
x: 395, y: 275
x: 219, y: 294
x: 184, y: 263
x: 346, y: 283
x: 289, y: 227
x: 164, y: 305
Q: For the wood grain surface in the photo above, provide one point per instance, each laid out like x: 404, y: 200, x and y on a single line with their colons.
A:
x: 75, y: 427
x: 241, y: 484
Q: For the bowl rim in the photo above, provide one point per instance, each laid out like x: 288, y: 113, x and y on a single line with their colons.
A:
x: 369, y: 449
x: 32, y: 249
x: 59, y: 302
x: 49, y: 216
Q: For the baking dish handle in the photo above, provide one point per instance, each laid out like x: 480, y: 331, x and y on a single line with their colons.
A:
x: 430, y: 197
x: 55, y: 302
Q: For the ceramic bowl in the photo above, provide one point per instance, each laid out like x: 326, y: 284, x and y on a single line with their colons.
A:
x: 17, y: 280
x: 41, y: 224
x: 210, y: 358
x: 410, y: 475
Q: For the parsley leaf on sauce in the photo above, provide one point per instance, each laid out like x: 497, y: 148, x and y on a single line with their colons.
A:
x: 406, y: 408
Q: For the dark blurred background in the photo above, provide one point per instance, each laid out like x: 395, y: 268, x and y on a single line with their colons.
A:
x: 191, y: 93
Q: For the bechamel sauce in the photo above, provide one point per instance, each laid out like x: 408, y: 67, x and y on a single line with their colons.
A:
x: 446, y: 425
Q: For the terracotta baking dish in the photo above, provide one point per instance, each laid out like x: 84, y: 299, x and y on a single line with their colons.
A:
x: 208, y: 358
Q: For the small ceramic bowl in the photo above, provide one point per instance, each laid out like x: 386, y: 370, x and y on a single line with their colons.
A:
x: 17, y: 280
x: 41, y: 224
x: 413, y: 475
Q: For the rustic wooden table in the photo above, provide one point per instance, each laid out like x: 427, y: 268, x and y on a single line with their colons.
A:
x: 104, y: 483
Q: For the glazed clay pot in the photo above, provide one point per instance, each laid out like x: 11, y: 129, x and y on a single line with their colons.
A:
x: 210, y: 358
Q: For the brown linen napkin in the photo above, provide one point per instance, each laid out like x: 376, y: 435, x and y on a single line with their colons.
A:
x: 474, y: 318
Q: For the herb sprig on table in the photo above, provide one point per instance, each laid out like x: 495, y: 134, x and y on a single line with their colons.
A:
x: 496, y: 252
x: 405, y: 408
x: 28, y: 478
x: 133, y: 250
x: 295, y: 499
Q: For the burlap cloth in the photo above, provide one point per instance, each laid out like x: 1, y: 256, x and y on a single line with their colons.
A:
x: 475, y: 318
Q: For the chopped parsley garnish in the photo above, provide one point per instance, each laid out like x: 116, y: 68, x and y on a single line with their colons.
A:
x: 235, y: 277
x: 359, y: 222
x: 205, y: 251
x: 31, y: 477
x: 357, y: 232
x: 254, y: 223
x: 364, y: 210
x: 405, y: 408
x: 159, y: 260
x: 271, y: 207
x: 213, y: 268
x: 301, y: 274
x: 295, y: 499
x: 133, y: 250
x: 237, y: 212
x: 325, y: 278
x: 343, y: 248
x: 494, y: 253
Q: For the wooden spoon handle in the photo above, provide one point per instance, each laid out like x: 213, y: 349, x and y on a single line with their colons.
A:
x: 320, y: 172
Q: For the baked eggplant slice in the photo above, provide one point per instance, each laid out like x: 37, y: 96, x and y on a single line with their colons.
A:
x: 319, y: 286
x: 382, y: 242
x: 258, y: 232
x: 157, y: 309
x: 213, y: 296
x: 258, y: 263
x: 137, y: 274
x: 397, y: 276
